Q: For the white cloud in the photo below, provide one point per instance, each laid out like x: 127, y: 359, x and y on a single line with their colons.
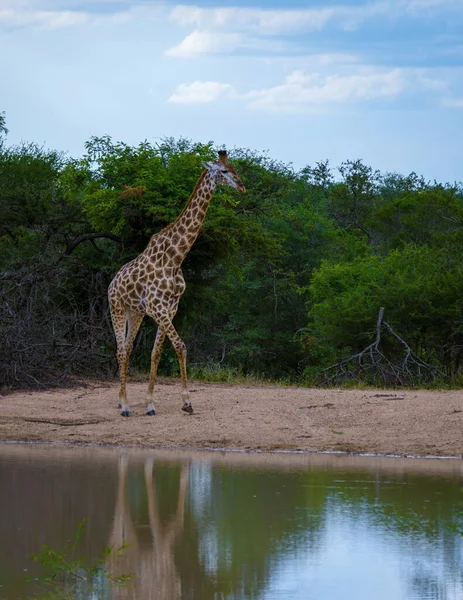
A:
x: 201, y: 42
x: 260, y: 23
x: 310, y: 62
x: 42, y: 18
x: 332, y: 58
x: 430, y: 83
x: 204, y: 42
x: 187, y: 15
x: 27, y: 15
x: 302, y: 92
x: 237, y: 28
x: 224, y: 30
x: 453, y: 103
x: 201, y: 92
x: 280, y: 21
x: 417, y: 5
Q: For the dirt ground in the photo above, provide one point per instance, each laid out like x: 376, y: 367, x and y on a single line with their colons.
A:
x: 410, y: 423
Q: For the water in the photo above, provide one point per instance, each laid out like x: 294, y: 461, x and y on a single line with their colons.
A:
x: 215, y: 526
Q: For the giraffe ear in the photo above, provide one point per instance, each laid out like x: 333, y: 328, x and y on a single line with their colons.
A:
x: 207, y: 165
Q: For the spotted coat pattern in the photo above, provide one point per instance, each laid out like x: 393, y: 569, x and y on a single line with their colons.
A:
x: 152, y: 284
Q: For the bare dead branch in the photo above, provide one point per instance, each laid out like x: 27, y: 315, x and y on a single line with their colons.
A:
x: 374, y: 366
x: 71, y: 246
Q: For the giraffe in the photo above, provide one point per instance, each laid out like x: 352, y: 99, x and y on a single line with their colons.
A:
x: 152, y: 284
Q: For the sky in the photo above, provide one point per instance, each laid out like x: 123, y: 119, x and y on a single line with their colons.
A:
x: 304, y: 81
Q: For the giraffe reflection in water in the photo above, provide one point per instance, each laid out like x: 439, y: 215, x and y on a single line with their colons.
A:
x: 152, y: 568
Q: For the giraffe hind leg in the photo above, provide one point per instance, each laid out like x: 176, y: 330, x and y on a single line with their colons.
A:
x: 133, y: 323
x: 119, y: 321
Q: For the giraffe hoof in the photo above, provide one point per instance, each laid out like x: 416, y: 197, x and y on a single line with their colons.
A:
x: 125, y: 413
x: 187, y: 408
x: 119, y: 405
x: 151, y: 412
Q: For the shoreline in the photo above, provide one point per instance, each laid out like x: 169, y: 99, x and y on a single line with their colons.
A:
x: 243, y: 419
x: 206, y: 449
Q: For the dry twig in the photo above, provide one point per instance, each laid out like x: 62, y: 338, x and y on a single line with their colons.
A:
x: 373, y: 365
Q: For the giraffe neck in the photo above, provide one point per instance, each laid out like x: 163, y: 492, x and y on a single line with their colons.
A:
x: 183, y: 232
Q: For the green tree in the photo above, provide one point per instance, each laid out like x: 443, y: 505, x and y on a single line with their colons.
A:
x: 3, y: 129
x: 420, y: 288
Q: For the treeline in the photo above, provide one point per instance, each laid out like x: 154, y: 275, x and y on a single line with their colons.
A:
x: 282, y: 283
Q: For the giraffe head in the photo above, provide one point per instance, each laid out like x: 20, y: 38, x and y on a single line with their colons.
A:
x: 224, y: 172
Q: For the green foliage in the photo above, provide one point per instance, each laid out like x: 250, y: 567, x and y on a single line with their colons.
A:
x: 3, y: 129
x: 281, y: 281
x: 135, y: 191
x: 69, y: 578
x: 28, y: 176
x: 420, y: 288
x: 414, y: 212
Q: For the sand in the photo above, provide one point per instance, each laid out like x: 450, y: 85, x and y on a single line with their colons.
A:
x: 403, y: 423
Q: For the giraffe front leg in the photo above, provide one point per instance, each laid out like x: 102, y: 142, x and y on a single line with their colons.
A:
x: 167, y: 327
x: 155, y: 357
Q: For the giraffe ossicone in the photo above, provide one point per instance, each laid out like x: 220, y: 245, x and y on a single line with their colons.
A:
x: 152, y: 284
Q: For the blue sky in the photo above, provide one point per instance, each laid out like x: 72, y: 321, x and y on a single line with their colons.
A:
x: 380, y: 80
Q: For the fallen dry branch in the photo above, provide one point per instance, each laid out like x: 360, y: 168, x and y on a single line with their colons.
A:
x: 374, y: 366
x: 64, y: 422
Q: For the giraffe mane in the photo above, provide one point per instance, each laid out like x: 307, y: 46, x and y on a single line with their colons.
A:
x: 198, y: 183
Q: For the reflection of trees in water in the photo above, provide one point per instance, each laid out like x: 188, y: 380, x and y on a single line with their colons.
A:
x: 246, y: 521
x: 424, y: 583
x: 437, y: 571
x: 216, y: 539
x: 201, y: 531
x: 419, y: 514
x: 42, y: 501
x: 220, y: 531
x: 250, y: 522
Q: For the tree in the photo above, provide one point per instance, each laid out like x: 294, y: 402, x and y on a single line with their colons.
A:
x: 419, y: 286
x: 3, y: 129
x: 287, y: 277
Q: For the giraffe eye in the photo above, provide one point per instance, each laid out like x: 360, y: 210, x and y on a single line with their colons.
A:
x: 223, y: 171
